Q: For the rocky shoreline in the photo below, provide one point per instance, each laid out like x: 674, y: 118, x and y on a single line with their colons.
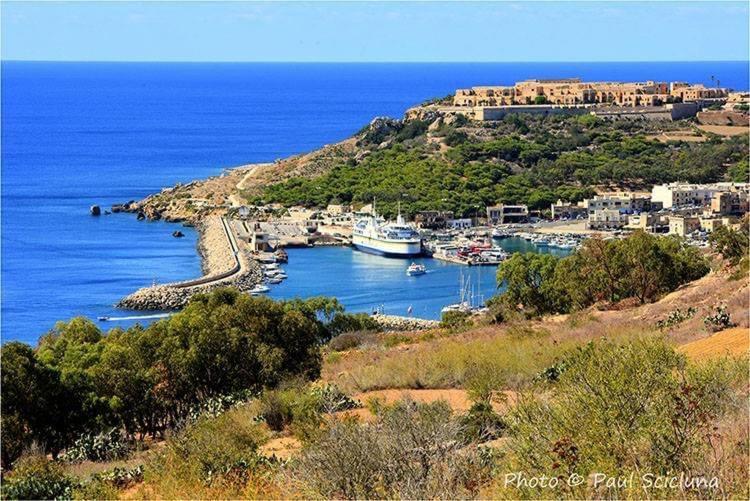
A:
x: 394, y: 323
x: 221, y: 268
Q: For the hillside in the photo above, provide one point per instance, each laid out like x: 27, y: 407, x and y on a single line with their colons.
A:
x: 432, y: 160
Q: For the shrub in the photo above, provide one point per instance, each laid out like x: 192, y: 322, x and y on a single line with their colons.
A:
x: 345, y: 341
x: 455, y: 320
x: 302, y: 409
x: 719, y: 320
x: 105, y: 446
x: 481, y: 423
x: 619, y: 409
x: 205, y: 452
x: 343, y: 323
x: 276, y: 409
x: 412, y: 451
x: 676, y: 317
x: 36, y: 477
x: 731, y: 244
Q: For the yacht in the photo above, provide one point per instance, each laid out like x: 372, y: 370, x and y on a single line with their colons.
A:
x: 416, y: 269
x: 377, y: 236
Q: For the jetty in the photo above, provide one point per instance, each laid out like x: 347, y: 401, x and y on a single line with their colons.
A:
x: 226, y: 263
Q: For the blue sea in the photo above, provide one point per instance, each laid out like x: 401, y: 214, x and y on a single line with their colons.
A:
x: 77, y: 134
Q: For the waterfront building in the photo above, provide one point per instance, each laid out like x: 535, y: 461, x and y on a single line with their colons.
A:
x: 681, y: 194
x: 432, y: 219
x: 504, y: 214
x: 648, y: 222
x: 562, y: 209
x: 607, y: 219
x: 623, y: 201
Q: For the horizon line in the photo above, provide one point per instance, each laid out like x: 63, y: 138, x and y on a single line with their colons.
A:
x: 365, y: 62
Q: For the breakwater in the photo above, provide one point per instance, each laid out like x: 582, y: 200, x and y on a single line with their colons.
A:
x: 391, y: 323
x: 224, y: 264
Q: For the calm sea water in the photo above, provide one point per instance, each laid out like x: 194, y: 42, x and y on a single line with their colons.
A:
x: 363, y: 282
x: 77, y: 134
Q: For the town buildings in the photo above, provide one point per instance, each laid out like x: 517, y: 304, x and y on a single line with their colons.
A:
x: 682, y: 194
x: 572, y: 91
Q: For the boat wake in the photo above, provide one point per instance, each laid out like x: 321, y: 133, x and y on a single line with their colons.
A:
x: 134, y: 317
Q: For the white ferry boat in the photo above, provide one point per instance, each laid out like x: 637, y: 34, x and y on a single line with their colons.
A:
x: 376, y: 236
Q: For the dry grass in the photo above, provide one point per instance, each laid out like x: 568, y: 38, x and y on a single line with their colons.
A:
x: 732, y: 342
x: 726, y: 130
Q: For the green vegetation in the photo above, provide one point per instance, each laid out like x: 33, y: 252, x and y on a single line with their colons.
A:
x: 732, y: 244
x: 148, y: 381
x: 641, y: 266
x: 412, y: 451
x: 623, y: 408
x: 521, y: 159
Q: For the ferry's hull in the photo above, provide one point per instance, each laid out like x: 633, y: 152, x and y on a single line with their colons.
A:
x: 385, y: 248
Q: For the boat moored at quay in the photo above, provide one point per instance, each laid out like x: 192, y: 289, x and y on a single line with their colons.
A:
x: 377, y: 236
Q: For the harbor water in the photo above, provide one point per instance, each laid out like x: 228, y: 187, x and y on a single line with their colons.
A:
x: 364, y: 282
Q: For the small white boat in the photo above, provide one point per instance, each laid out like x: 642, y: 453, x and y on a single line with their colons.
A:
x: 271, y: 266
x: 416, y: 269
x: 275, y: 280
x: 102, y: 319
x: 464, y: 307
x: 259, y: 289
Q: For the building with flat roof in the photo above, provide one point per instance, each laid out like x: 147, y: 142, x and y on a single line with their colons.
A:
x: 505, y: 214
x: 681, y: 194
x: 607, y: 219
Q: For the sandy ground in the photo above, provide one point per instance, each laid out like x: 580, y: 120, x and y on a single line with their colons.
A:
x: 726, y: 130
x: 679, y: 135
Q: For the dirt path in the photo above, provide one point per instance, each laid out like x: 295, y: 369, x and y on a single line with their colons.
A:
x: 252, y: 170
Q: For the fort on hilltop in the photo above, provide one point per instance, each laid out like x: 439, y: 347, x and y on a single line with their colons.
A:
x: 572, y: 91
x: 651, y: 100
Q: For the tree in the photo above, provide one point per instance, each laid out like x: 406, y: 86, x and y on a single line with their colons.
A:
x: 529, y: 280
x: 36, y: 407
x: 731, y: 244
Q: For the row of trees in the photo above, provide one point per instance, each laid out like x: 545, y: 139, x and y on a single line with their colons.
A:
x: 641, y: 266
x: 146, y: 380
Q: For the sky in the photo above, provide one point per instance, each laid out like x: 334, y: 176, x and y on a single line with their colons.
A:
x: 374, y: 32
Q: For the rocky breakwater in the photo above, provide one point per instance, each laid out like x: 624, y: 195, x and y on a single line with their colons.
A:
x: 225, y: 263
x: 392, y: 323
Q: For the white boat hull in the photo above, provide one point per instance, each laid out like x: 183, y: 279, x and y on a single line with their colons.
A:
x: 394, y: 248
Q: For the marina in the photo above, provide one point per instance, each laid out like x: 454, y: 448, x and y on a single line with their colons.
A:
x: 364, y: 282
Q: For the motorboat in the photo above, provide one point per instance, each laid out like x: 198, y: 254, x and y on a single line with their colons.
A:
x: 102, y: 319
x: 275, y: 280
x: 259, y: 289
x: 416, y: 269
x: 281, y: 256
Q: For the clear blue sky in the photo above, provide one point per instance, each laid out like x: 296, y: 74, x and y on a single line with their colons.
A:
x: 244, y: 31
